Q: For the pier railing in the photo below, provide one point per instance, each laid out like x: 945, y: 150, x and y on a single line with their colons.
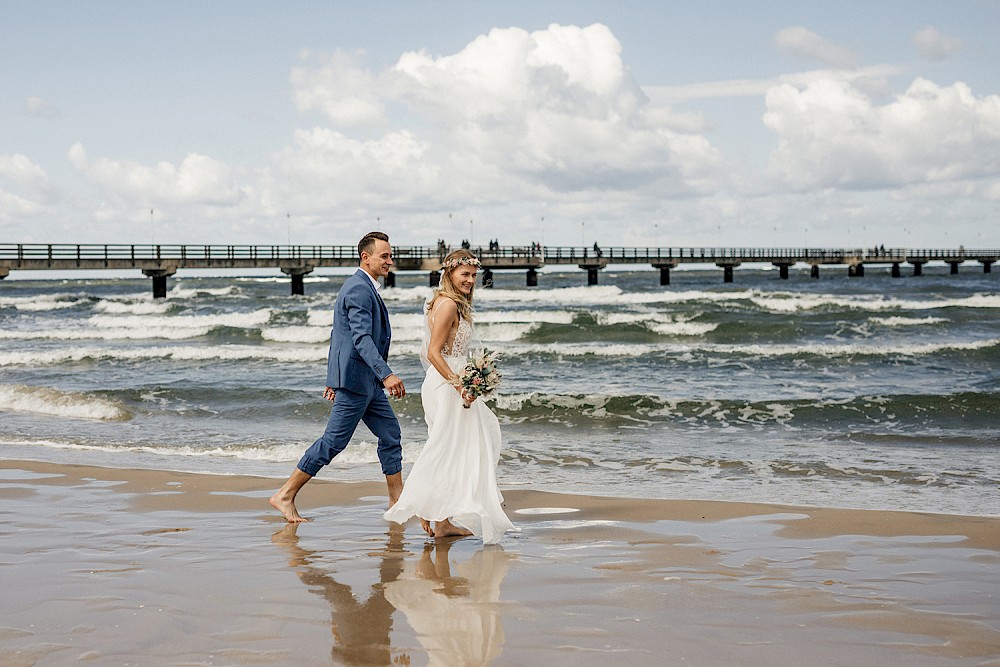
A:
x: 161, y: 261
x: 32, y: 252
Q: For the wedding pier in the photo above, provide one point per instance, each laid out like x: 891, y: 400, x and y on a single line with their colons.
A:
x: 159, y: 262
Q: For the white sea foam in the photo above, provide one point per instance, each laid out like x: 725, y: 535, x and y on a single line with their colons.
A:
x: 130, y: 307
x: 296, y: 354
x: 907, y: 321
x: 681, y: 328
x: 296, y: 334
x: 42, y: 303
x: 107, y: 334
x: 249, y: 320
x: 48, y: 401
x: 178, y: 291
x: 787, y: 302
x: 358, y: 453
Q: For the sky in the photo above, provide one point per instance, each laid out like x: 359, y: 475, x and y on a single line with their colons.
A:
x: 644, y: 123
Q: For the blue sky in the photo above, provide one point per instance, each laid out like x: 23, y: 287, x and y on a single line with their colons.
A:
x: 626, y: 123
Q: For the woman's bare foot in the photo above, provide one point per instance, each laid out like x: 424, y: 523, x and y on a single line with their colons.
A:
x: 287, y: 508
x: 447, y: 529
x: 426, y: 525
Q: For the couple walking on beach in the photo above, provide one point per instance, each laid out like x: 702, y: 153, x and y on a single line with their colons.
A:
x: 452, y: 486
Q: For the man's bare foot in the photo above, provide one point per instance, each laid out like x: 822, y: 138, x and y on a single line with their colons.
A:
x: 447, y: 529
x: 287, y: 508
x: 426, y: 525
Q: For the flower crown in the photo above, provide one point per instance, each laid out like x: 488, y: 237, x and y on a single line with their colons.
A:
x: 458, y: 261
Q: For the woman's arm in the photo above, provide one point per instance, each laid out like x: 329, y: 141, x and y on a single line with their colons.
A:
x: 444, y: 318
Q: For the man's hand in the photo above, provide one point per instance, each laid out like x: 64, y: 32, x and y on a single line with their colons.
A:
x: 329, y: 394
x: 394, y: 386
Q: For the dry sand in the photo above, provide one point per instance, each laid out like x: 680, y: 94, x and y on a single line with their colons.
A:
x: 120, y: 567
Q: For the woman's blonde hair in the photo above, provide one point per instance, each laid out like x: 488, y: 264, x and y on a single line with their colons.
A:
x: 461, y: 257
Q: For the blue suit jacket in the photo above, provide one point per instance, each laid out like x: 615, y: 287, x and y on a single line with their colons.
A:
x: 359, y: 341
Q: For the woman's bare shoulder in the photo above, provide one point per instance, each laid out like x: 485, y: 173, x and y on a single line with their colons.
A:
x: 443, y: 305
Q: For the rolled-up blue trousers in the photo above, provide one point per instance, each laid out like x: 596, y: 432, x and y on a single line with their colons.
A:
x: 350, y: 408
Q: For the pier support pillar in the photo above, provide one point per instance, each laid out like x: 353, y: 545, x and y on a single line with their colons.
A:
x: 783, y: 271
x: 987, y: 266
x: 532, y: 280
x: 298, y: 284
x: 390, y: 279
x: 855, y: 270
x: 814, y: 271
x: 591, y: 275
x: 434, y: 278
x: 727, y: 270
x: 954, y: 267
x: 295, y: 272
x: 895, y: 270
x: 159, y: 277
x: 918, y: 268
x: 665, y: 271
x: 5, y: 271
x: 487, y: 278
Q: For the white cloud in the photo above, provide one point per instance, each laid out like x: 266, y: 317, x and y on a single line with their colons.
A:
x: 872, y: 77
x: 513, y: 114
x: 36, y: 106
x: 25, y: 188
x: 833, y: 135
x: 197, y: 180
x: 804, y: 43
x: 341, y: 88
x: 18, y: 169
x: 932, y: 44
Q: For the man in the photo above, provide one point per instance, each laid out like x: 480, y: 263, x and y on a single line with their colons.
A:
x: 356, y: 374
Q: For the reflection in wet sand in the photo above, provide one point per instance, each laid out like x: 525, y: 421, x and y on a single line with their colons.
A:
x: 453, y: 608
x: 360, y: 630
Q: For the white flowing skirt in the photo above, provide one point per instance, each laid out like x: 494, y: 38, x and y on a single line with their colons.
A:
x: 454, y: 476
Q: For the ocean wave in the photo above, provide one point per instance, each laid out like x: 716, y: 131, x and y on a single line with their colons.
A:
x: 890, y: 412
x: 311, y: 354
x: 907, y: 321
x: 43, y: 303
x: 107, y: 334
x: 139, y: 306
x: 790, y: 302
x: 54, y: 402
x: 179, y: 291
x: 357, y: 453
x: 758, y: 351
x: 249, y: 320
x: 317, y: 353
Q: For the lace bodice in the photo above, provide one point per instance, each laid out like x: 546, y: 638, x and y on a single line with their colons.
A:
x: 461, y: 342
x: 455, y: 352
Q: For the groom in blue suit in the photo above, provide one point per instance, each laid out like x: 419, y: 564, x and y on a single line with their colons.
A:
x: 356, y: 375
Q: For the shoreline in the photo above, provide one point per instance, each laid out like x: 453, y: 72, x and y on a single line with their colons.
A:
x: 116, y: 566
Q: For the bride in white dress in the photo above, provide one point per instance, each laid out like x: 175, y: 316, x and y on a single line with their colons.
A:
x: 452, y: 486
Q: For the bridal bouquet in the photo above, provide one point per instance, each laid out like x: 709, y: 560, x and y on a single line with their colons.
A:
x: 480, y: 376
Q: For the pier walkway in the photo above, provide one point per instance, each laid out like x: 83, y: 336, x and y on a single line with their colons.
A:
x: 161, y: 261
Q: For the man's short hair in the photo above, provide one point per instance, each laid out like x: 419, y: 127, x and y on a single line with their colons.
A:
x: 367, y: 243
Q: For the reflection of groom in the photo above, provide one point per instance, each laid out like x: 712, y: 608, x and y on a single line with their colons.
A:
x: 356, y: 374
x: 361, y: 630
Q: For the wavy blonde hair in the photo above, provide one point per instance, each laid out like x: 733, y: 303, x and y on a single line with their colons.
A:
x: 447, y: 287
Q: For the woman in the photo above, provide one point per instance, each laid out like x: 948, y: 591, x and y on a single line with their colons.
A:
x: 452, y: 486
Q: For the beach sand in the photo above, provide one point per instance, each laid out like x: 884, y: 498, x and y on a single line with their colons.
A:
x: 120, y: 567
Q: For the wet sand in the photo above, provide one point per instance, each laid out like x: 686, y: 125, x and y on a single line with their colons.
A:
x: 119, y: 567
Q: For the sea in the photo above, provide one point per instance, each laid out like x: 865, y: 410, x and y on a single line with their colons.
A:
x: 863, y: 392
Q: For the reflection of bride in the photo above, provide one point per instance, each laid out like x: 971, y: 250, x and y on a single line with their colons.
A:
x: 455, y: 615
x: 453, y: 482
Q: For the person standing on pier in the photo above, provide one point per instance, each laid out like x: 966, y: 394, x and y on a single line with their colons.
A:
x: 357, y: 373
